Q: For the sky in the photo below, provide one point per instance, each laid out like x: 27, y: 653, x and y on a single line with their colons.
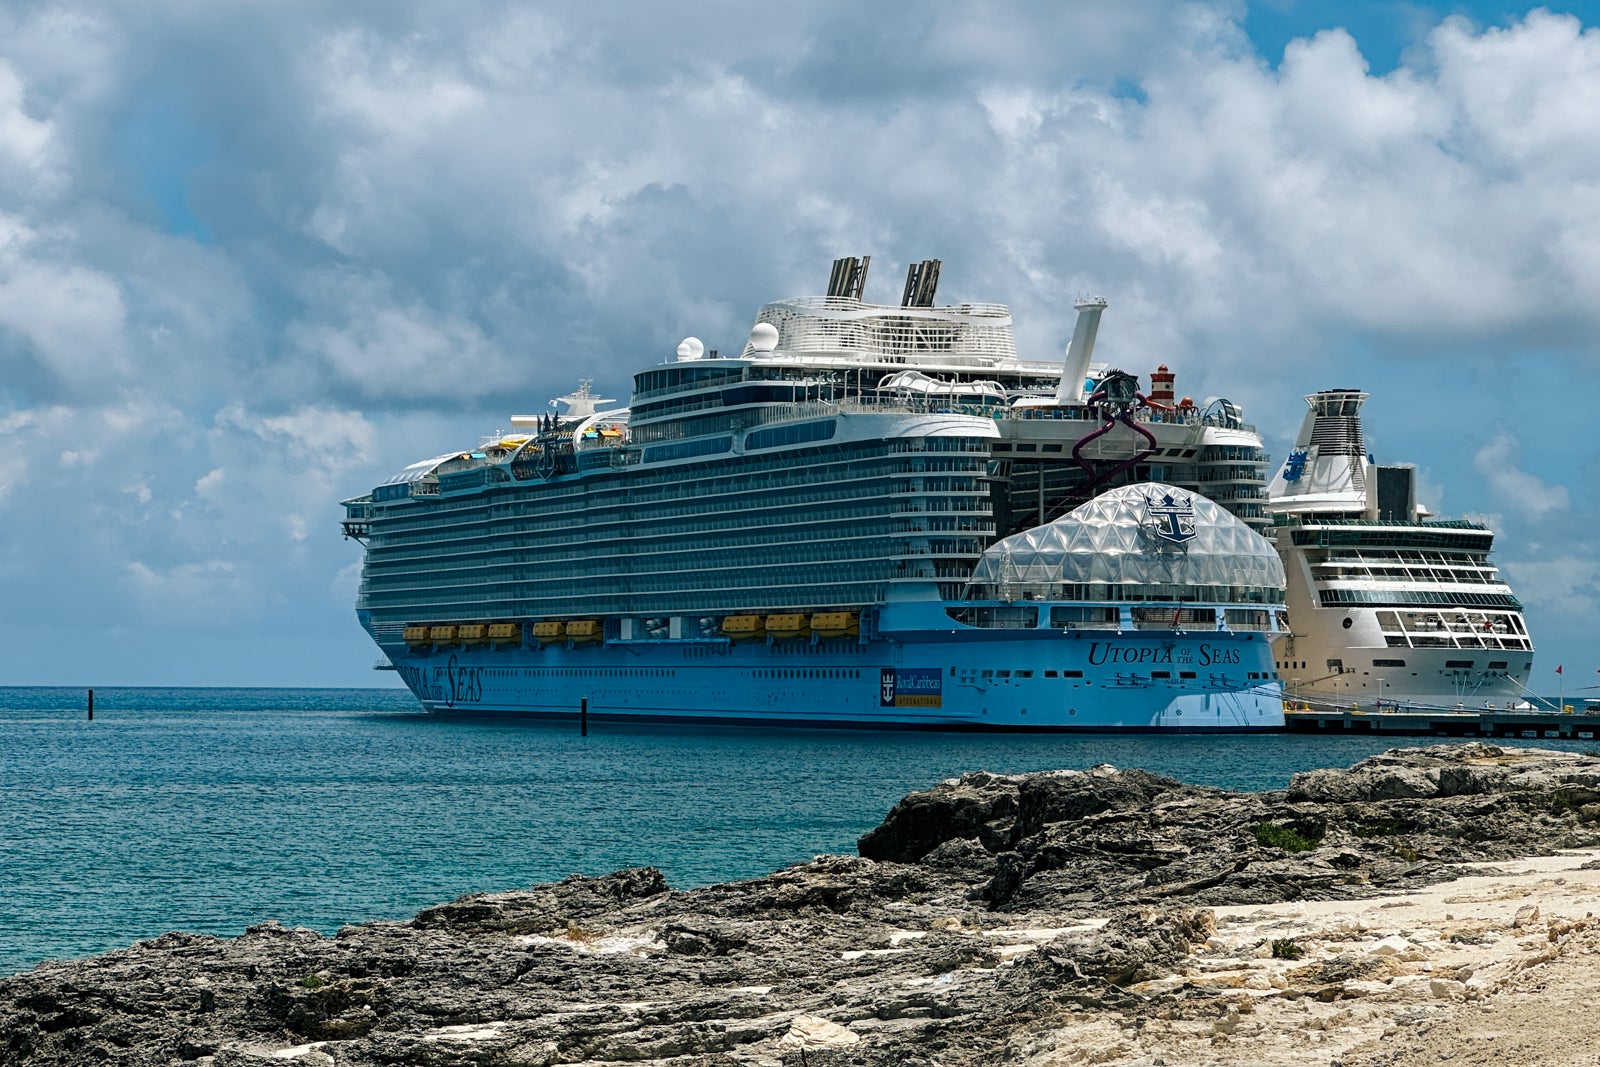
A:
x: 256, y: 257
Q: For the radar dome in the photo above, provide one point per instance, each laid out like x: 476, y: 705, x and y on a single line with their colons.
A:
x: 691, y: 348
x: 763, y: 337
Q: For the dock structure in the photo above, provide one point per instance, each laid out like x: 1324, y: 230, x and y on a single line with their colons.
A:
x: 1463, y: 722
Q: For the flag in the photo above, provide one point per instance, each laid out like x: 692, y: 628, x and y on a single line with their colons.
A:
x: 1558, y: 669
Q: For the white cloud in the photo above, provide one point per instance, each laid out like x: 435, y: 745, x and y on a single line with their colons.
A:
x: 304, y: 246
x: 1567, y: 586
x: 25, y: 141
x: 1527, y: 493
x: 209, y: 485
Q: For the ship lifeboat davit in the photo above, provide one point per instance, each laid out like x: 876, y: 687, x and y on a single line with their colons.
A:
x: 788, y: 627
x: 504, y: 633
x: 548, y: 633
x: 831, y: 624
x: 417, y: 636
x: 442, y: 636
x: 583, y: 631
x: 473, y: 634
x: 744, y: 627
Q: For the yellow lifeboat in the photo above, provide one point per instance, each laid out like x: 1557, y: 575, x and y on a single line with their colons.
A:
x: 504, y: 633
x: 829, y: 624
x: 473, y: 634
x: 788, y: 627
x: 584, y: 631
x: 549, y: 632
x: 744, y: 627
x: 443, y: 636
x: 417, y: 636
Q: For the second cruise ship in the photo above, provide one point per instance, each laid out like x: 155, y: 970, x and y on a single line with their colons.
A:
x: 1388, y: 606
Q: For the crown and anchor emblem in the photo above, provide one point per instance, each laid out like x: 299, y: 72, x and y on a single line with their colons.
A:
x: 1171, y: 517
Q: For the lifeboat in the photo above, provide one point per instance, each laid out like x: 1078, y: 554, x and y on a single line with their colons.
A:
x: 504, y: 633
x: 829, y: 624
x: 788, y: 627
x: 473, y: 634
x: 443, y: 636
x: 549, y: 632
x: 744, y: 627
x: 417, y: 636
x: 584, y: 631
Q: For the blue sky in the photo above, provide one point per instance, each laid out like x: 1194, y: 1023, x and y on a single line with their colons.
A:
x: 256, y: 257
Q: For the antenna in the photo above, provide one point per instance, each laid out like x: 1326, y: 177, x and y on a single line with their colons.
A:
x: 849, y: 277
x: 922, y: 279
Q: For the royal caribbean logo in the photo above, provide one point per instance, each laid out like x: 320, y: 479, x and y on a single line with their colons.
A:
x: 1170, y: 517
x: 910, y: 687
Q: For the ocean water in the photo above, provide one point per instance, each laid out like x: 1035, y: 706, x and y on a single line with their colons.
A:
x: 211, y: 809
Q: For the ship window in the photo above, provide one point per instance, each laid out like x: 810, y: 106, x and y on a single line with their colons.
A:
x: 1072, y: 674
x: 1457, y: 663
x: 988, y: 674
x: 1052, y: 448
x: 1388, y: 663
x: 1336, y: 665
x: 1166, y: 674
x: 1050, y: 674
x: 1002, y: 674
x: 1186, y: 674
x: 1498, y: 664
x: 1024, y: 674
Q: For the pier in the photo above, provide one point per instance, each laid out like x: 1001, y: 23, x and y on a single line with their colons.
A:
x: 1578, y: 725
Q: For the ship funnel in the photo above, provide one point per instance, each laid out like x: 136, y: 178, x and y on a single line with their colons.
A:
x: 1076, y: 366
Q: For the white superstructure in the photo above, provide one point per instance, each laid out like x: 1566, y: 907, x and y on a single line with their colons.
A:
x: 1386, y: 605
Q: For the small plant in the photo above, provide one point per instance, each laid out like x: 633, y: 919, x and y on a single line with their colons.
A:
x: 1382, y: 828
x: 312, y: 981
x: 1285, y: 948
x: 1271, y: 835
x: 1407, y: 853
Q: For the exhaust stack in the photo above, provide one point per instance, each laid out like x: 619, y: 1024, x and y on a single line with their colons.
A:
x: 1076, y: 366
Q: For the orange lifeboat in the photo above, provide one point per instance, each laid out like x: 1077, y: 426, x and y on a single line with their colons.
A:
x: 744, y: 627
x: 788, y: 627
x: 832, y: 624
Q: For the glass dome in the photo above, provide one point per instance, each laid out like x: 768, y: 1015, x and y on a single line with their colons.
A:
x: 1141, y: 542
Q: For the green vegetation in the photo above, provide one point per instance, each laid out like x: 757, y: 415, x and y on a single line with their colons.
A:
x: 1383, y: 828
x: 312, y: 981
x: 1284, y: 948
x: 1271, y: 835
x: 1407, y: 853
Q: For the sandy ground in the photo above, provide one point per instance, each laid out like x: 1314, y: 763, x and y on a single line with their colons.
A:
x: 1500, y: 967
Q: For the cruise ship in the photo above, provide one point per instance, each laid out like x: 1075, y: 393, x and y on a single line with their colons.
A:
x: 1387, y: 606
x: 873, y: 515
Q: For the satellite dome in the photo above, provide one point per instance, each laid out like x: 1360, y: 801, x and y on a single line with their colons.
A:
x: 691, y: 348
x: 763, y: 337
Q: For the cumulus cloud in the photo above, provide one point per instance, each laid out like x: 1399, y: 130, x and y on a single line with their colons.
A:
x: 1498, y: 461
x: 1567, y: 586
x: 252, y: 259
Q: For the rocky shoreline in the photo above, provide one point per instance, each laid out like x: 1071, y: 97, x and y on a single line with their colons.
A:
x: 1383, y: 914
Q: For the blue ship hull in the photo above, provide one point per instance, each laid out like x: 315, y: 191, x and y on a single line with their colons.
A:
x: 952, y: 678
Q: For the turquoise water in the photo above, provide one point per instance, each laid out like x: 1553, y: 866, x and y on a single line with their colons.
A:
x: 211, y: 809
